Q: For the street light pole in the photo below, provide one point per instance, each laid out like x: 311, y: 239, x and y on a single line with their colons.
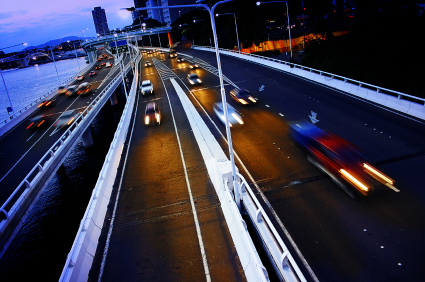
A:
x: 223, y: 93
x: 237, y: 35
x: 287, y: 14
x: 4, y: 83
x: 75, y: 51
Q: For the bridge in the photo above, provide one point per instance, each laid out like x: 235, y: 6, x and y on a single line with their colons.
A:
x: 169, y: 219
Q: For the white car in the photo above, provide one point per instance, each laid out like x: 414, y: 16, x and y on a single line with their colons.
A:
x: 108, y: 65
x: 234, y: 117
x: 146, y: 87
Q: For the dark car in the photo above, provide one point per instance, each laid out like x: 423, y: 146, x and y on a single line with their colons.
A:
x: 172, y: 54
x: 38, y: 121
x: 193, y: 66
x: 92, y: 73
x: 98, y: 67
x: 61, y: 89
x: 84, y: 88
x: 148, y: 63
x: 242, y: 96
x: 152, y: 113
x: 338, y: 158
x: 47, y: 103
x: 71, y: 90
x: 67, y: 118
x: 193, y: 79
x: 103, y: 64
x: 80, y: 77
x: 180, y: 59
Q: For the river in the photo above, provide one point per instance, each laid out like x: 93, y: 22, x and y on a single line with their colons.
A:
x: 39, y: 250
x: 27, y: 84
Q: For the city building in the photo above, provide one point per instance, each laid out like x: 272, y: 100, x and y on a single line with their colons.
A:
x: 139, y: 14
x: 100, y: 21
x: 168, y: 16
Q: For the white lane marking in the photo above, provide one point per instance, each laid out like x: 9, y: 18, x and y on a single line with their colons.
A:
x: 267, y: 106
x: 195, y: 214
x: 303, y: 260
x: 31, y: 136
x: 108, y: 237
x: 281, y: 115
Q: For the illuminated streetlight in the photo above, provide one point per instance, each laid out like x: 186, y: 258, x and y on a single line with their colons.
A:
x: 75, y: 51
x: 287, y: 14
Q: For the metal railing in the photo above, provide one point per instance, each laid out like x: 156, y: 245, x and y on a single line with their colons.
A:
x: 36, y: 101
x: 10, y: 208
x: 360, y: 84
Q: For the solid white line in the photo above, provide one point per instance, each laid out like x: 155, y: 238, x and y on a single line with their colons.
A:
x: 108, y: 237
x: 195, y: 214
x: 31, y: 136
x: 304, y: 261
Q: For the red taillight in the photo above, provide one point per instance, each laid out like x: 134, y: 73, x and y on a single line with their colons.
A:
x: 48, y: 104
x: 41, y: 105
x: 30, y: 125
x: 70, y: 121
x: 41, y: 123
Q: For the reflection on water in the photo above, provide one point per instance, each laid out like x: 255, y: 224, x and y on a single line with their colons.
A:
x: 27, y: 84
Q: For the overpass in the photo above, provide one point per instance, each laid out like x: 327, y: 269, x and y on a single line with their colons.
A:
x: 342, y: 239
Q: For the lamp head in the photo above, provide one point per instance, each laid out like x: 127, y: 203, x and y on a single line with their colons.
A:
x: 258, y: 3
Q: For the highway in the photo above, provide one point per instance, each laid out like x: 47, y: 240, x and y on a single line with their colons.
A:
x: 378, y: 238
x: 23, y: 148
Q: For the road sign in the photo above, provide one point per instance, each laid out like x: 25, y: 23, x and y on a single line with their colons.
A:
x: 121, y: 49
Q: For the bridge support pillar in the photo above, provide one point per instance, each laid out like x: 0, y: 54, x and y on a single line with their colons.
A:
x: 113, y: 98
x: 87, y: 138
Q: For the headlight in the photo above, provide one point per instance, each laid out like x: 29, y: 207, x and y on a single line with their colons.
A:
x: 191, y: 82
x: 377, y: 173
x: 199, y: 80
x: 157, y: 117
x: 252, y: 99
x: 237, y: 118
x: 353, y: 180
x: 147, y: 120
x: 151, y: 90
x: 243, y: 101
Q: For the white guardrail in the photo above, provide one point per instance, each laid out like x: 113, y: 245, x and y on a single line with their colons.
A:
x: 45, y: 96
x: 26, y: 187
x: 80, y: 257
x: 402, y: 102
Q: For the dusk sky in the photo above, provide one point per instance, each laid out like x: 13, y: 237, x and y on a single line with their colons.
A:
x: 36, y: 22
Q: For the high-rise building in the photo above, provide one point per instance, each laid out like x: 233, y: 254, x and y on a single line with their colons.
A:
x: 168, y: 15
x: 139, y: 14
x: 100, y: 21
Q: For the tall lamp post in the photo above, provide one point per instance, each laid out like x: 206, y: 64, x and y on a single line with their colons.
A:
x: 237, y: 36
x: 287, y: 14
x: 220, y: 75
x: 75, y: 51
x: 1, y: 72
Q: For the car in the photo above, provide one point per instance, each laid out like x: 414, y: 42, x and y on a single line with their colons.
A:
x: 110, y: 57
x: 67, y: 118
x: 47, y: 103
x: 161, y: 52
x: 180, y: 59
x: 172, y: 54
x: 338, y: 158
x: 98, y: 67
x: 152, y: 113
x: 80, y: 77
x: 242, y: 96
x: 193, y: 66
x: 38, y: 121
x: 146, y: 87
x: 99, y: 59
x: 193, y: 79
x: 148, y: 63
x: 61, y: 89
x: 234, y: 117
x: 108, y: 65
x: 92, y: 73
x: 84, y: 88
x: 103, y: 64
x: 71, y: 90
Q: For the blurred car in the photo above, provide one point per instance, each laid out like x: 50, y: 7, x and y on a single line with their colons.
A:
x: 38, y: 121
x: 150, y: 52
x: 152, y: 113
x: 108, y: 65
x: 67, y: 118
x: 242, y: 96
x: 110, y: 57
x: 172, y: 54
x: 148, y: 63
x: 193, y: 79
x: 61, y: 89
x: 47, y: 103
x: 180, y: 59
x: 99, y: 59
x: 80, y: 77
x: 193, y: 66
x: 146, y: 87
x: 92, y: 73
x: 103, y: 64
x: 98, y: 67
x: 234, y: 117
x: 338, y: 158
x: 161, y: 52
x: 84, y: 88
x: 71, y: 90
